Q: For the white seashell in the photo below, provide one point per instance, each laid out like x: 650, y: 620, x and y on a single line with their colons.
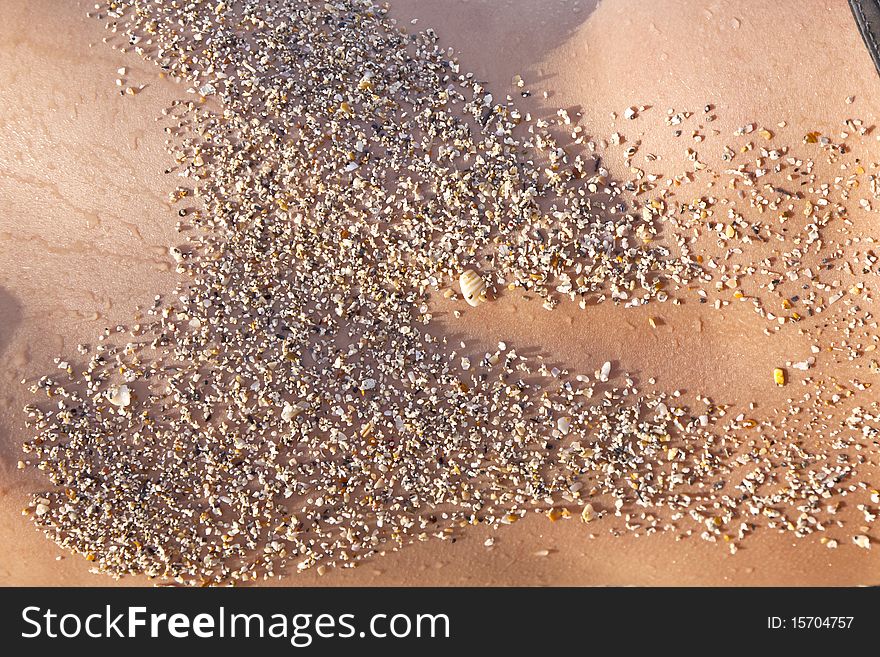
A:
x: 119, y: 396
x: 605, y: 371
x: 290, y: 411
x: 564, y: 425
x: 473, y: 287
x: 804, y: 365
x: 588, y: 513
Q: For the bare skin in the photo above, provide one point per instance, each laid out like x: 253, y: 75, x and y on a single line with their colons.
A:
x: 85, y: 227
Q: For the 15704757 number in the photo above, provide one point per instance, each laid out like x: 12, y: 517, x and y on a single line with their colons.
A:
x: 810, y: 622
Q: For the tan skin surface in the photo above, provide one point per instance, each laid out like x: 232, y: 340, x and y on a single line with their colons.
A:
x: 85, y: 226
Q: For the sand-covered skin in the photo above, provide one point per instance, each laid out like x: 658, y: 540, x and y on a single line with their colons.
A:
x: 723, y: 361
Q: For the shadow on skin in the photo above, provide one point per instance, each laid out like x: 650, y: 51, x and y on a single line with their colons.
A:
x: 10, y: 318
x: 494, y: 49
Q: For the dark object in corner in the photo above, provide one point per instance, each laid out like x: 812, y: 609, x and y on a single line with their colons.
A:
x: 867, y: 14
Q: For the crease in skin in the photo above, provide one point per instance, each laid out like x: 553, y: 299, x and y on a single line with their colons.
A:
x: 79, y: 247
x: 697, y: 320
